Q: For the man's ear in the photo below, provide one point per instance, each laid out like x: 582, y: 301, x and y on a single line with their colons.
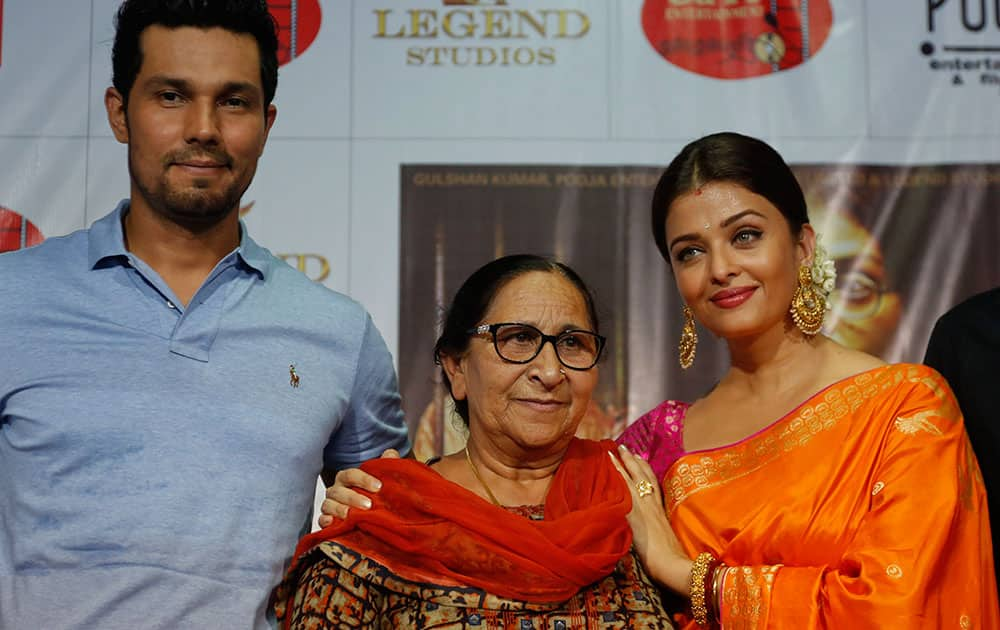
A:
x: 269, y: 117
x: 114, y: 103
x: 455, y: 369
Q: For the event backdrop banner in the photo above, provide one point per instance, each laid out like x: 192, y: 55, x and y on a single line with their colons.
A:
x: 885, y: 227
x: 417, y: 139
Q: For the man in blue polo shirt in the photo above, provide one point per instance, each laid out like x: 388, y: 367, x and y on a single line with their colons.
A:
x: 169, y: 390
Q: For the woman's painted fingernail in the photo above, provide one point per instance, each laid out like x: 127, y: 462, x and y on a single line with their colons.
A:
x: 366, y: 502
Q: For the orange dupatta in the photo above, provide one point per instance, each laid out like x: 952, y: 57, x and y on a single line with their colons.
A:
x: 862, y: 508
x: 427, y: 529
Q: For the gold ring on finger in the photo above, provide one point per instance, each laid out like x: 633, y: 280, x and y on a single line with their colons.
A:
x: 644, y: 488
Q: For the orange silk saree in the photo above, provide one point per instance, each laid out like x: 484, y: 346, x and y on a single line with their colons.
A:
x: 862, y: 508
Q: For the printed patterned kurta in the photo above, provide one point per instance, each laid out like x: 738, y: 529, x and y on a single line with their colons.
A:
x: 341, y: 588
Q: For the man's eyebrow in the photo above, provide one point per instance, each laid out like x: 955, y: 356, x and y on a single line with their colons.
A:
x: 168, y: 81
x: 240, y: 86
x: 183, y: 85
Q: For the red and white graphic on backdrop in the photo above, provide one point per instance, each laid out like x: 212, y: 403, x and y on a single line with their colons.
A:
x: 737, y: 39
x: 298, y: 25
x: 16, y: 232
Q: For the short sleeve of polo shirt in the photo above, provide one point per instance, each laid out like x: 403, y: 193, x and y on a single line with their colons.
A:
x: 374, y: 420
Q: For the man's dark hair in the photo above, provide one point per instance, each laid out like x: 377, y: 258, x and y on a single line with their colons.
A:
x: 237, y: 16
x: 476, y: 295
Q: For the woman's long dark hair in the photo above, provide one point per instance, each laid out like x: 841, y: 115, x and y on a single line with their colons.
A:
x: 728, y: 157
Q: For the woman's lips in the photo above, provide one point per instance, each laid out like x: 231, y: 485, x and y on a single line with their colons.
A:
x: 731, y: 298
x: 542, y: 404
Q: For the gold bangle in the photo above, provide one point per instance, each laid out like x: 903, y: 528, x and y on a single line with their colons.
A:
x: 699, y: 570
x: 718, y: 582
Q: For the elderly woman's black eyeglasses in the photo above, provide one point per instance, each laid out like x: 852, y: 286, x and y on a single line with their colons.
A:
x: 520, y: 343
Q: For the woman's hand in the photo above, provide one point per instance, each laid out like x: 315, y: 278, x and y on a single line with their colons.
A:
x: 652, y: 536
x: 342, y: 496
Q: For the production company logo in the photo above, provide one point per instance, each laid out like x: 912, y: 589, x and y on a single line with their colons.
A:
x: 298, y: 25
x: 961, y: 43
x: 16, y: 232
x: 737, y: 39
x: 316, y: 267
x: 482, y: 33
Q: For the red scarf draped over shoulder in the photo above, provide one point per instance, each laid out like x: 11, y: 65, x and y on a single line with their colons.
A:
x: 427, y: 529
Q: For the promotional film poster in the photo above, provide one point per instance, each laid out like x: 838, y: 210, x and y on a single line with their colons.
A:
x: 908, y: 243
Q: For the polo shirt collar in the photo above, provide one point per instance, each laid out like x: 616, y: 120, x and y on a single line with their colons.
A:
x: 107, y: 242
x: 252, y: 254
x: 106, y: 238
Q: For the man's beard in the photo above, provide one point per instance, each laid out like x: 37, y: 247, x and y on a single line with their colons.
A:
x: 193, y: 208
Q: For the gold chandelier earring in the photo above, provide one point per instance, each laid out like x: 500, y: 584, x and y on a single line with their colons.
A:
x: 689, y: 339
x: 808, y: 304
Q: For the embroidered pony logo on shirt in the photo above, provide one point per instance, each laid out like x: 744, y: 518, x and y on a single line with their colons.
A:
x: 293, y: 376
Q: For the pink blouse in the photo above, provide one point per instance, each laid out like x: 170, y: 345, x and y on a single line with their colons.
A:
x: 657, y: 435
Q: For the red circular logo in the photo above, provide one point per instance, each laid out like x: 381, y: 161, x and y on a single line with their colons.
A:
x: 16, y: 231
x: 737, y: 39
x: 298, y: 25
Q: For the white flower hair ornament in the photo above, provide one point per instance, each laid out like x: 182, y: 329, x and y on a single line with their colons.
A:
x: 824, y: 273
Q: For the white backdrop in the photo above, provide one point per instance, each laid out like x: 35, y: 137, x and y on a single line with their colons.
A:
x: 357, y: 104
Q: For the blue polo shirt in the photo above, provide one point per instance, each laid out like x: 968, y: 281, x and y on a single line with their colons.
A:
x: 158, y: 463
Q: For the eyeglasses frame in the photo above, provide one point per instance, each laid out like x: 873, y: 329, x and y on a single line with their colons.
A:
x: 879, y: 290
x: 492, y: 329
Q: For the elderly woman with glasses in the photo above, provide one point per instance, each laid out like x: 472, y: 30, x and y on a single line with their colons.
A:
x: 526, y: 526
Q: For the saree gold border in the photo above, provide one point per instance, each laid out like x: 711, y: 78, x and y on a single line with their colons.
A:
x: 935, y: 382
x: 794, y: 431
x: 745, y: 593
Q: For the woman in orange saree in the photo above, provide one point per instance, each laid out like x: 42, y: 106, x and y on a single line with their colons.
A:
x: 863, y: 507
x: 814, y: 486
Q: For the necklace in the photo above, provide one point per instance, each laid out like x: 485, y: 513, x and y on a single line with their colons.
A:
x: 489, y: 493
x: 475, y: 471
